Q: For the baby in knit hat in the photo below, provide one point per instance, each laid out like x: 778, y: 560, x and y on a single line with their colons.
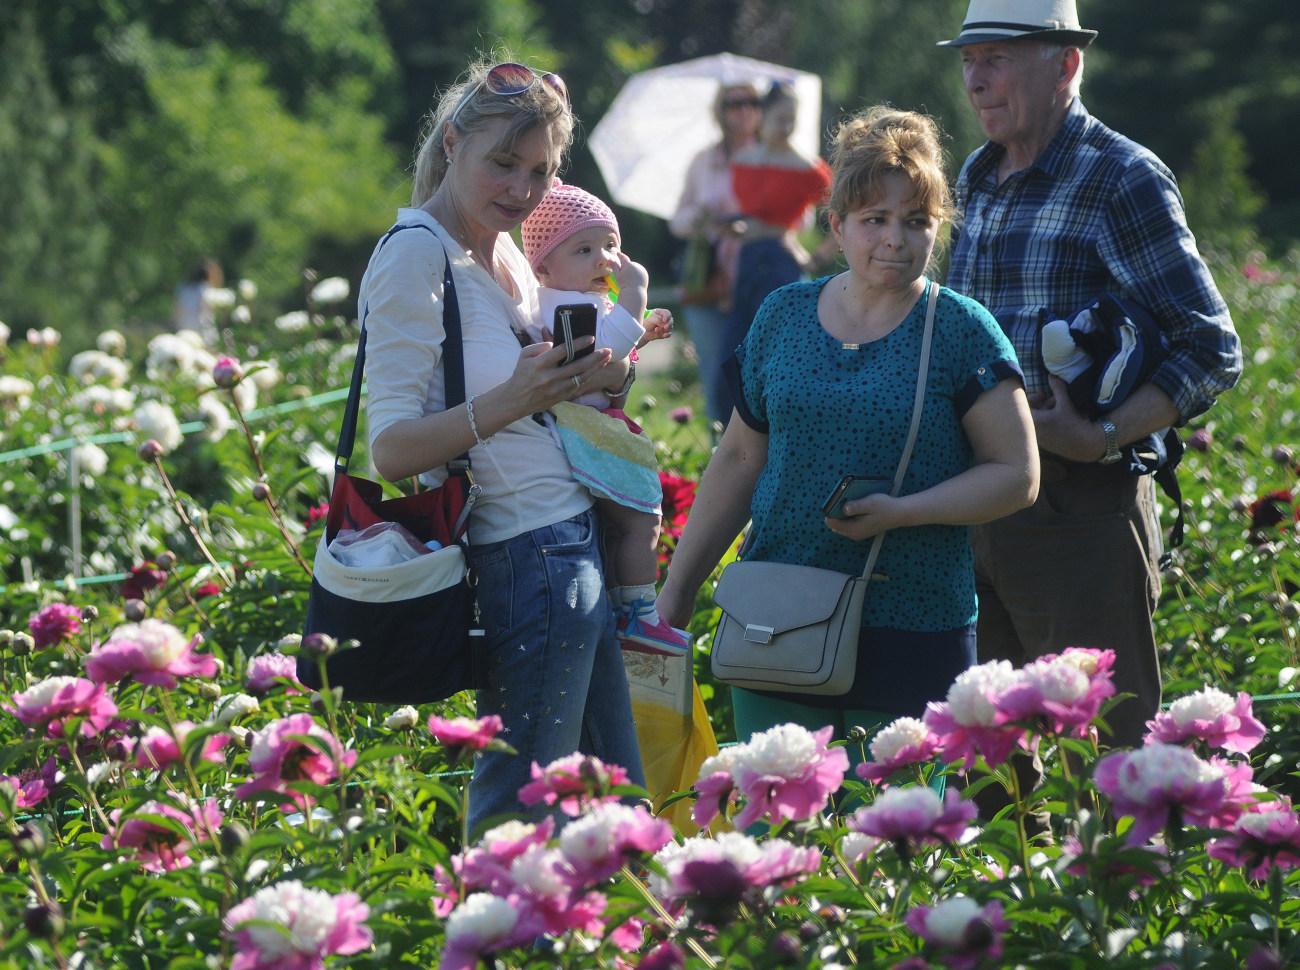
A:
x: 572, y: 242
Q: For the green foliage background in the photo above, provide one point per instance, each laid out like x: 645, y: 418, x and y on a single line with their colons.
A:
x: 139, y: 135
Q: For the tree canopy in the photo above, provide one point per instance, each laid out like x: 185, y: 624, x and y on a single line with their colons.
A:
x: 139, y: 135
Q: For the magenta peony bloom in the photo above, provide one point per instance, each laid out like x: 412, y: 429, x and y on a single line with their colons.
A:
x: 487, y: 865
x: 158, y: 748
x: 716, y: 785
x: 969, y: 721
x: 899, y: 744
x: 666, y: 956
x: 27, y: 794
x: 546, y: 889
x: 294, y: 748
x: 481, y: 925
x: 1062, y: 691
x: 1159, y: 784
x: 158, y: 846
x: 717, y: 873
x: 145, y: 576
x: 962, y: 930
x: 57, y: 700
x: 152, y: 651
x: 571, y: 781
x: 267, y: 670
x: 1262, y: 838
x: 462, y: 736
x: 787, y: 772
x: 290, y: 927
x: 913, y: 816
x: 598, y: 843
x: 54, y: 624
x: 1212, y: 716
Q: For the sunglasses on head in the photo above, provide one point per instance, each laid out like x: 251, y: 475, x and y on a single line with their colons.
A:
x: 510, y: 80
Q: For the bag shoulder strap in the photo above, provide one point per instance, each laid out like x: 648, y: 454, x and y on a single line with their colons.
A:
x: 922, y: 375
x: 452, y: 355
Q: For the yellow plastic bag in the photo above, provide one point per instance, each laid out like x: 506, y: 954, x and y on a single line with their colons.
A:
x: 672, y: 727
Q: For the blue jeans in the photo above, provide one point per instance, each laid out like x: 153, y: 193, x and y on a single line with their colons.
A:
x: 709, y: 331
x: 550, y: 661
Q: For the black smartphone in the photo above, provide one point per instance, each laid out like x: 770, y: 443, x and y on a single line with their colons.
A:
x: 852, y: 487
x: 572, y: 321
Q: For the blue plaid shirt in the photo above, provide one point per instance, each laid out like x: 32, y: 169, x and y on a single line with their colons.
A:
x: 1095, y: 213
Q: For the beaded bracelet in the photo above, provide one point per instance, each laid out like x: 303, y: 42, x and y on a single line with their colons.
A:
x: 469, y: 409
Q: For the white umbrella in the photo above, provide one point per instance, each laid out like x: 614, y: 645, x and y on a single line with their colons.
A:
x: 663, y: 117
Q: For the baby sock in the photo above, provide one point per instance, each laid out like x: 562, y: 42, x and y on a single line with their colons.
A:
x: 646, y: 594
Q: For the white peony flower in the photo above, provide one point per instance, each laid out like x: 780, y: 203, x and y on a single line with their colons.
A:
x: 293, y: 321
x: 402, y: 719
x: 15, y: 390
x: 91, y: 459
x: 220, y: 297
x: 213, y: 412
x: 4, y: 334
x: 157, y: 421
x: 948, y: 921
x: 786, y: 750
x: 241, y: 314
x: 968, y: 697
x: 111, y: 342
x: 334, y: 289
x: 247, y: 290
x: 899, y: 734
x: 231, y: 707
x: 1205, y: 705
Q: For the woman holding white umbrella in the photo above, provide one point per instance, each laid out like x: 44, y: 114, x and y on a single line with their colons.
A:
x: 706, y: 213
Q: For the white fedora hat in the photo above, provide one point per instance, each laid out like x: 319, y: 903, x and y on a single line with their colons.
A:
x: 989, y: 21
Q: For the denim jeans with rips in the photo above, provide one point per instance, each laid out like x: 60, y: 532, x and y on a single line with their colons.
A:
x: 552, y: 665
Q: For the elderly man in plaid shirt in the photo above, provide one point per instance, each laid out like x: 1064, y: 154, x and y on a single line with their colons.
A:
x: 1058, y: 209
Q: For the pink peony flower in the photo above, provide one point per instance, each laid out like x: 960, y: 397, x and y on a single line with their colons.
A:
x: 546, y: 889
x: 1161, y: 784
x: 158, y: 748
x: 718, y: 873
x: 267, y: 670
x: 27, y: 794
x: 162, y: 842
x: 965, y: 932
x: 913, y: 816
x: 969, y: 722
x: 481, y: 925
x: 54, y: 624
x: 294, y: 748
x: 152, y: 651
x: 571, y: 781
x: 290, y: 927
x: 787, y: 772
x: 1212, y: 716
x: 666, y: 956
x: 57, y: 700
x: 1262, y: 838
x: 462, y: 736
x: 899, y: 744
x: 598, y: 843
x: 1064, y: 692
x: 716, y: 785
x: 487, y: 865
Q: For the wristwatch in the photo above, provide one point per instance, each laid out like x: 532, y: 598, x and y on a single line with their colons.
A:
x: 1112, y: 442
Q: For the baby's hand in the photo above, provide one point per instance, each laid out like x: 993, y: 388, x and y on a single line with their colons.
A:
x: 630, y: 274
x: 658, y: 326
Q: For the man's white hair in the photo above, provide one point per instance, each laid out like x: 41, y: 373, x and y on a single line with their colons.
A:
x: 1050, y: 51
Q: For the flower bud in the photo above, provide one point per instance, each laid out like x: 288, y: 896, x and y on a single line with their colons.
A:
x: 151, y: 450
x: 209, y: 691
x: 29, y: 841
x: 90, y: 614
x: 261, y: 492
x: 786, y: 947
x: 6, y: 638
x: 44, y: 920
x: 319, y: 645
x: 857, y: 734
x: 1239, y: 442
x: 227, y: 372
x: 1283, y: 455
x: 289, y: 644
x: 234, y: 839
x: 23, y: 644
x: 135, y: 610
x: 165, y: 561
x: 1290, y: 609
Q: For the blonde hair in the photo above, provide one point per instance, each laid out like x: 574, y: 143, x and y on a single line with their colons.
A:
x: 878, y: 142
x: 474, y: 107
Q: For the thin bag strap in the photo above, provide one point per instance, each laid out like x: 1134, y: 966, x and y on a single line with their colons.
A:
x: 923, y: 373
x: 452, y: 356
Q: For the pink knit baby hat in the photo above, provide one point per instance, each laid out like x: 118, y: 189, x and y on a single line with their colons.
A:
x: 565, y: 210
